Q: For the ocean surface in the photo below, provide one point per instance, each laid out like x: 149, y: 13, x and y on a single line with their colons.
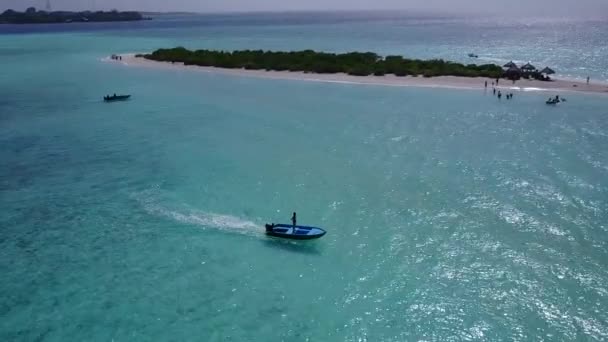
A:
x: 451, y: 215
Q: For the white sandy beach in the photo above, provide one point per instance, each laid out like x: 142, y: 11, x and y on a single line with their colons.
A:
x: 387, y: 80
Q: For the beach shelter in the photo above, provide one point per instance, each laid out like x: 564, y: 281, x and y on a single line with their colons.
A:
x: 547, y: 71
x: 513, y: 73
x: 528, y: 67
x: 510, y: 64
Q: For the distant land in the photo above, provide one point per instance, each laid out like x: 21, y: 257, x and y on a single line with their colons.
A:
x: 170, y: 13
x: 32, y: 16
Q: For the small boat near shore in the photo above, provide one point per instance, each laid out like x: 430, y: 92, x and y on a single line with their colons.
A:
x: 555, y: 100
x: 287, y: 231
x: 115, y: 97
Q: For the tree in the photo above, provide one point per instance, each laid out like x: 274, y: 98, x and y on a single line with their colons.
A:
x: 352, y: 63
x: 30, y: 10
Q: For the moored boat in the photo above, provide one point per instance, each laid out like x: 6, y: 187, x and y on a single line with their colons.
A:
x: 288, y: 231
x: 555, y: 100
x: 115, y: 97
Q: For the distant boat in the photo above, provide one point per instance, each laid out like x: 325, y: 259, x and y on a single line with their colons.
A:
x: 288, y: 231
x: 113, y: 98
x: 472, y: 55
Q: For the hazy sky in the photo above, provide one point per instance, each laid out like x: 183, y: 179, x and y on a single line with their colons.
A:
x: 542, y: 7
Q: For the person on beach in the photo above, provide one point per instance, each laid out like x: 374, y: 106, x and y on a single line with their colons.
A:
x: 293, y: 220
x: 587, y: 79
x: 496, y: 80
x: 486, y: 84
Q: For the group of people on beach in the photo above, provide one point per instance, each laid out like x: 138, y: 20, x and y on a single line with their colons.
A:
x: 486, y: 83
x: 116, y: 57
x: 498, y: 93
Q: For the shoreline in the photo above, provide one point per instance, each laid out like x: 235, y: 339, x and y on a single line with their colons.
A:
x: 451, y: 82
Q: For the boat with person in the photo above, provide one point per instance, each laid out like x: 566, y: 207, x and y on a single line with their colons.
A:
x: 288, y: 231
x: 555, y: 100
x: 115, y: 97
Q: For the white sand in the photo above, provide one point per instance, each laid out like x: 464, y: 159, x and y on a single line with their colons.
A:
x: 387, y: 80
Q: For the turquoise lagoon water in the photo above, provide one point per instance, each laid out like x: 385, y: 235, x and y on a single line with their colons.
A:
x: 451, y: 215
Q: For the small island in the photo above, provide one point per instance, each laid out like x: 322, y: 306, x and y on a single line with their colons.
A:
x: 352, y: 63
x: 32, y: 16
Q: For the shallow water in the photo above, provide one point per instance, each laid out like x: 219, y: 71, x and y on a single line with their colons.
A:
x: 451, y: 215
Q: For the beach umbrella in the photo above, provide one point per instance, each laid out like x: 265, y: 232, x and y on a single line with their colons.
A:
x: 513, y: 71
x: 547, y: 71
x: 528, y: 67
x: 510, y: 64
x: 514, y: 68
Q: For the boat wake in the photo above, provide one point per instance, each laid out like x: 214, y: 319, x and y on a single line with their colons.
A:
x: 185, y: 214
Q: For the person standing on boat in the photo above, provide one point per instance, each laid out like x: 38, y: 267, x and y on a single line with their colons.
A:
x: 293, y: 220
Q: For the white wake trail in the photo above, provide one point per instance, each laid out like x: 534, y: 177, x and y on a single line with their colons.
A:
x: 184, y: 214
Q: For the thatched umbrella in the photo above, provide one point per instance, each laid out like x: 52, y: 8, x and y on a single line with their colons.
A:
x: 547, y: 71
x: 513, y: 72
x: 514, y: 68
x: 528, y: 67
x: 510, y: 64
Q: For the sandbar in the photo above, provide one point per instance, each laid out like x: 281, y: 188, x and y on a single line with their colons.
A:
x: 557, y: 85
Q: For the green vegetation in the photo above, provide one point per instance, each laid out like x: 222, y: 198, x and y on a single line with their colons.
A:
x: 352, y: 63
x: 31, y: 16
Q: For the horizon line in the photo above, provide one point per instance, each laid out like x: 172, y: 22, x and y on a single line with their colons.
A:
x: 390, y: 12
